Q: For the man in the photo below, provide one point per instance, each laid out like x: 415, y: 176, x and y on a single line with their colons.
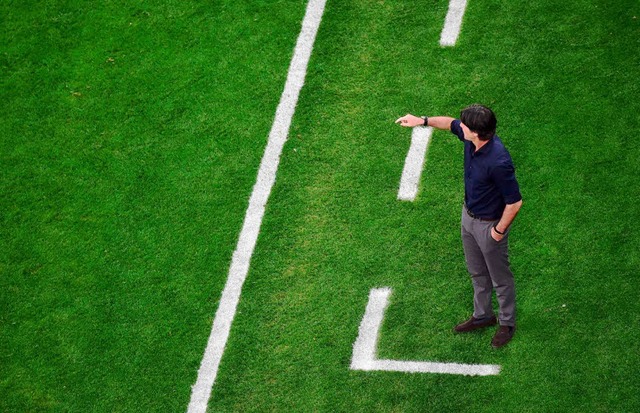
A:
x: 491, y: 202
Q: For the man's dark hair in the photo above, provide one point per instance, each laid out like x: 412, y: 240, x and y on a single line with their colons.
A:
x: 481, y: 120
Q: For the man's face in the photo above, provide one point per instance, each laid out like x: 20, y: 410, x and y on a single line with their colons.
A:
x: 468, y: 134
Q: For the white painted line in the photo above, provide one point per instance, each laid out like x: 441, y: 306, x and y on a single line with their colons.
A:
x: 453, y: 22
x: 437, y: 368
x: 201, y: 390
x: 365, y: 347
x: 420, y: 137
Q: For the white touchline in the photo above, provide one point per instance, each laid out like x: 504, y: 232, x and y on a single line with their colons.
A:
x: 201, y: 390
x: 413, y: 165
x: 364, y: 349
x: 453, y: 22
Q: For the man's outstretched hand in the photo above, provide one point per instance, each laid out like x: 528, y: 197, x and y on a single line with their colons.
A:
x: 410, y: 121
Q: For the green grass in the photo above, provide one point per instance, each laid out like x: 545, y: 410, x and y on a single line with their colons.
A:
x: 131, y: 137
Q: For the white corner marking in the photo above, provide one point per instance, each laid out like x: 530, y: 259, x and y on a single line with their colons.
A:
x: 365, y: 347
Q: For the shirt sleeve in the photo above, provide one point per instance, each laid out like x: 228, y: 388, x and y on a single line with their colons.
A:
x: 456, y: 129
x: 504, y: 177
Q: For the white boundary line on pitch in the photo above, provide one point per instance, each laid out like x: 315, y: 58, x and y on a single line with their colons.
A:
x: 420, y: 137
x: 201, y: 390
x: 453, y: 22
x: 365, y: 347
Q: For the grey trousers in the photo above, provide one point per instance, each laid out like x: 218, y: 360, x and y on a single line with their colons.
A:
x: 488, y: 265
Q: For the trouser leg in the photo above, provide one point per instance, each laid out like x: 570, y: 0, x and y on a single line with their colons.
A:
x: 497, y: 261
x: 488, y: 265
x: 480, y: 276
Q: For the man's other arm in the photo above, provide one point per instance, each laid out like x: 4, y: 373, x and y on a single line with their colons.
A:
x: 509, y: 214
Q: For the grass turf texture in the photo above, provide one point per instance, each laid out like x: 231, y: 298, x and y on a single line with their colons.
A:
x: 130, y: 144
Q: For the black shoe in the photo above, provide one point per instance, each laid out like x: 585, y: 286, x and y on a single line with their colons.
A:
x: 503, y: 336
x: 475, y: 323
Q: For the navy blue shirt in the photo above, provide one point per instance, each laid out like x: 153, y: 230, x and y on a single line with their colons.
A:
x: 489, y: 176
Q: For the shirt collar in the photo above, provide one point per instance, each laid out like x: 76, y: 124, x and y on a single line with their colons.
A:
x: 485, y: 148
